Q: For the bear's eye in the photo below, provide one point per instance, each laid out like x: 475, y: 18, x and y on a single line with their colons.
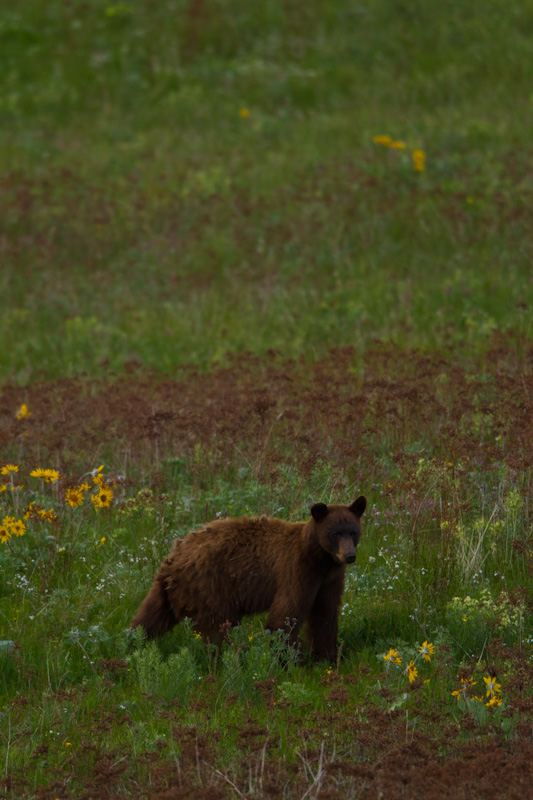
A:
x: 341, y: 534
x: 338, y: 534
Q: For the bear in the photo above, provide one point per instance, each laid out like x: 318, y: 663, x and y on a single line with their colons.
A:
x: 237, y: 566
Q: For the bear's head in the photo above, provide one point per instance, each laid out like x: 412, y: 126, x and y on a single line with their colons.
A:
x: 339, y: 529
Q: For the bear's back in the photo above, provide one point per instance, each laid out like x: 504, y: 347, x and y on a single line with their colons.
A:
x: 239, y: 559
x: 235, y: 544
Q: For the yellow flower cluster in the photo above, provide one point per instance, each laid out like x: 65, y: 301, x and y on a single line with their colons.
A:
x: 11, y: 527
x: 23, y: 412
x: 101, y: 497
x: 34, y: 511
x: 393, y: 657
x: 467, y: 685
x: 75, y: 495
x: 419, y: 156
x: 49, y: 475
x: 7, y: 469
x: 467, y: 691
x: 388, y: 141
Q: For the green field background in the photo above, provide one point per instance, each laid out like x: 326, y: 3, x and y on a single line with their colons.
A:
x: 143, y: 218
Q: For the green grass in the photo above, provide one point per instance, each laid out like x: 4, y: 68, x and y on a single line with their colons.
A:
x: 91, y: 691
x: 181, y: 184
x: 146, y: 219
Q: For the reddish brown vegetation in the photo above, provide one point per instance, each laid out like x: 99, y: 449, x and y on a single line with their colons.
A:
x: 343, y: 411
x: 65, y: 207
x: 390, y: 763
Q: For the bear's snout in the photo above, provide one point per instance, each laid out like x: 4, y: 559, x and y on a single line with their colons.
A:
x: 345, y: 549
x: 344, y: 557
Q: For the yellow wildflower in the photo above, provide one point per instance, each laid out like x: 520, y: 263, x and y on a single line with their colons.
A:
x: 419, y: 160
x: 244, y: 113
x: 23, y: 412
x: 47, y: 515
x: 3, y: 487
x: 102, y: 541
x: 393, y: 656
x: 103, y: 498
x: 106, y: 496
x: 5, y: 534
x: 388, y: 141
x: 412, y: 672
x: 493, y: 688
x: 427, y: 650
x: 18, y: 528
x: 495, y: 700
x: 50, y: 475
x: 385, y: 139
x: 8, y: 468
x: 74, y: 497
x: 466, y: 684
x: 97, y: 476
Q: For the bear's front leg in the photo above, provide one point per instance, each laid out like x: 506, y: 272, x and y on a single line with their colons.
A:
x: 323, y: 621
x: 285, y: 616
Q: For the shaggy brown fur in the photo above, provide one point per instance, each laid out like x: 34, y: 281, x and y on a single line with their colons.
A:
x: 233, y: 567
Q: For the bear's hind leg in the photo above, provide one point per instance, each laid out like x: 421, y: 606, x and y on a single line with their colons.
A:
x: 155, y: 614
x: 214, y: 629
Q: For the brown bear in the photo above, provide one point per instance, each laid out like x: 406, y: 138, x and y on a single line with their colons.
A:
x: 233, y: 567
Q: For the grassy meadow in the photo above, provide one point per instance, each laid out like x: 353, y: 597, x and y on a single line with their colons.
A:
x: 256, y: 256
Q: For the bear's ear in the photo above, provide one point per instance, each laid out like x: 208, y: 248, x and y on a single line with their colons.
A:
x: 358, y: 506
x: 319, y: 511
